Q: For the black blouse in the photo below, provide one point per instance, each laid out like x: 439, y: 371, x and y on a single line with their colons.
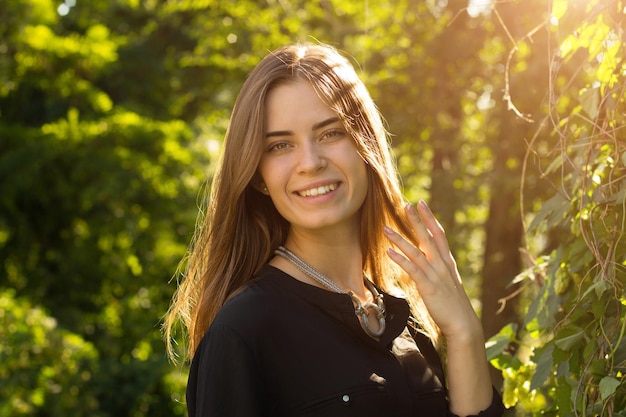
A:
x: 282, y: 347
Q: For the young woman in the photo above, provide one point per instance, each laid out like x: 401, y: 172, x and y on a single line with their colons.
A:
x: 312, y: 288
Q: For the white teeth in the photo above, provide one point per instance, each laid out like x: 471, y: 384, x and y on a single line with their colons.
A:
x: 324, y: 189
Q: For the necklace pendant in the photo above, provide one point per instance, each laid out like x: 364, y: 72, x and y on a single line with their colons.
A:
x: 362, y: 313
x: 369, y: 330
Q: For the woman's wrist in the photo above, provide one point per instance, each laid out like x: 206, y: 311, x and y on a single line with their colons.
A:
x: 468, y: 333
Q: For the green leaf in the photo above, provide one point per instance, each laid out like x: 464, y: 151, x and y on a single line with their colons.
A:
x: 542, y: 310
x: 561, y: 358
x: 556, y: 163
x: 620, y: 197
x: 563, y: 396
x: 496, y: 344
x: 568, y: 342
x: 552, y: 211
x: 544, y: 367
x: 598, y: 287
x: 559, y: 7
x: 590, y: 101
x: 598, y: 308
x: 608, y: 385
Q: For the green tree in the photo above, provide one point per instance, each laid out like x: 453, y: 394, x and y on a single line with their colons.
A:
x: 571, y: 344
x: 97, y: 201
x: 41, y: 364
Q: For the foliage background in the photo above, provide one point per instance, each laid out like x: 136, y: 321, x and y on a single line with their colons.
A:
x: 508, y: 117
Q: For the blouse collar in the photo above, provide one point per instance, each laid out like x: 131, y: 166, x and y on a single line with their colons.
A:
x: 340, y: 305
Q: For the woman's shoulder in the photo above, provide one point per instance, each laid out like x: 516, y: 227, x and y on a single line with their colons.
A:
x: 258, y: 301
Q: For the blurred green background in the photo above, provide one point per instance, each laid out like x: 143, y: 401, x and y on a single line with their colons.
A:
x: 508, y: 117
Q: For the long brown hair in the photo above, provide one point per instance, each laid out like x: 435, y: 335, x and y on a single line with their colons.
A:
x: 239, y: 228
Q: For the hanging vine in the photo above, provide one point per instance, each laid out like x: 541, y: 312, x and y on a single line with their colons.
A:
x: 568, y: 357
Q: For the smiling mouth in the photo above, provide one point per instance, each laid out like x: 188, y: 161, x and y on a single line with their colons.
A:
x: 314, y: 192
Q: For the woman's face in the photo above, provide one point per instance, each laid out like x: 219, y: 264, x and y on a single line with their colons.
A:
x: 310, y: 164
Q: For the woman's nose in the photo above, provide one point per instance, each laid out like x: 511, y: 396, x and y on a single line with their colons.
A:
x: 312, y: 158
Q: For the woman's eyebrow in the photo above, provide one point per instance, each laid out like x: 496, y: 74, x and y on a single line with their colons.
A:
x: 316, y: 126
x: 326, y: 122
x: 279, y: 133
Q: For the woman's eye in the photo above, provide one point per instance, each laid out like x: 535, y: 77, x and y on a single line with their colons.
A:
x: 279, y: 146
x: 332, y: 134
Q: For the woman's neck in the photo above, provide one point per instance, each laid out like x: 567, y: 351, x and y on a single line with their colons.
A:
x: 338, y: 257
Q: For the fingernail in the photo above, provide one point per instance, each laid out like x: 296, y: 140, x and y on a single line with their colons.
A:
x: 423, y: 204
x: 413, y: 210
x: 387, y: 230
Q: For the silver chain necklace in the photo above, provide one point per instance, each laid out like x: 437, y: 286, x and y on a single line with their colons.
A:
x: 360, y: 310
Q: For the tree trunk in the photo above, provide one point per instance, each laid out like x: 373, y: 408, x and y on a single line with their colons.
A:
x: 504, y: 235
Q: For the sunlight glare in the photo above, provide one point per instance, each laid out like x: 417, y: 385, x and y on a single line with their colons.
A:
x: 478, y: 7
x: 63, y: 9
x: 554, y: 21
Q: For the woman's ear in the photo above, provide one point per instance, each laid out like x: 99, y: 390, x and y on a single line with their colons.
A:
x: 260, y: 186
x: 258, y: 183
